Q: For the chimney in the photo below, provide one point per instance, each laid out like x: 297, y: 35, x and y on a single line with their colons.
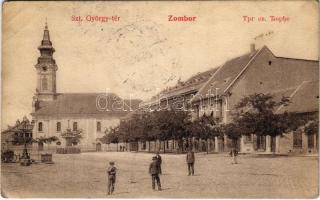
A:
x: 252, y: 48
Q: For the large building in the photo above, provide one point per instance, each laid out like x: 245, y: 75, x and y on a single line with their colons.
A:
x: 258, y: 71
x: 54, y: 113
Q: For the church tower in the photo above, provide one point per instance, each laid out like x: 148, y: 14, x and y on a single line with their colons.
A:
x: 46, y: 70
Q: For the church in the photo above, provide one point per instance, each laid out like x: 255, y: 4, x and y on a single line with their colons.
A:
x: 89, y: 113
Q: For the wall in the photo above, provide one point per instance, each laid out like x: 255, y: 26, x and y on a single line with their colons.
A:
x: 87, y: 125
x: 276, y: 76
x: 282, y: 73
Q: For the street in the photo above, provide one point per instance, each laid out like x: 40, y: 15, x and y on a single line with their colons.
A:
x: 84, y: 175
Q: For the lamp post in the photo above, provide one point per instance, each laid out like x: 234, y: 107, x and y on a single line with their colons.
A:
x: 24, y: 129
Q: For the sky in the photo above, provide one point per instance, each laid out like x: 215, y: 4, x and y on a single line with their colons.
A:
x: 143, y: 52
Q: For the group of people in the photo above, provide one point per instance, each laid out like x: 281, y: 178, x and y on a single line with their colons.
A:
x: 155, y: 169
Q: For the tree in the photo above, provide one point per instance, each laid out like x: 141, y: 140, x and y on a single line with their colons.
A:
x: 72, y: 137
x: 162, y: 125
x: 233, y: 132
x: 46, y: 140
x: 113, y: 136
x: 256, y: 114
x: 205, y: 127
x: 177, y: 124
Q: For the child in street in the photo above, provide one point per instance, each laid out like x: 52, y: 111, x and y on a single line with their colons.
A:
x: 112, y: 171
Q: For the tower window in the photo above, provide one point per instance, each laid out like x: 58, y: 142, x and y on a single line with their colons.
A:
x: 270, y: 62
x: 98, y: 126
x: 44, y: 83
x: 75, y: 126
x: 58, y: 126
x: 40, y: 126
x: 44, y: 68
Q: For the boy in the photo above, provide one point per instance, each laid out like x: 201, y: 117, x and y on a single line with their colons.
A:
x: 112, y: 170
x: 154, y: 172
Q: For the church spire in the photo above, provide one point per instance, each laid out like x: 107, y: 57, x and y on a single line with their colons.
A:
x: 46, y: 43
x: 46, y: 69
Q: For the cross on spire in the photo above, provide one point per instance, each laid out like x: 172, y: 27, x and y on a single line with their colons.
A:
x: 46, y: 25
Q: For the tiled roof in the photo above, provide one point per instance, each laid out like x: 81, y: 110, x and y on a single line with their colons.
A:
x: 224, y: 76
x: 86, y: 104
x: 227, y: 74
x: 193, y: 84
x: 305, y: 98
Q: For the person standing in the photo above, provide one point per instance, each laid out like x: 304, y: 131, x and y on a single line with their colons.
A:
x: 154, y: 172
x: 234, y: 154
x: 112, y: 171
x: 159, y: 161
x: 190, y: 161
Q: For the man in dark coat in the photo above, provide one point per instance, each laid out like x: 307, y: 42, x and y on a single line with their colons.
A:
x: 159, y: 161
x: 190, y: 161
x: 154, y: 172
x: 112, y: 171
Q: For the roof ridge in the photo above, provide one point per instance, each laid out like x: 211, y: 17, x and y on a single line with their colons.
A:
x: 302, y: 59
x: 224, y: 64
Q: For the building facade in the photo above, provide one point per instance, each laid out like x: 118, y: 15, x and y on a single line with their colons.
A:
x: 54, y: 113
x: 260, y: 71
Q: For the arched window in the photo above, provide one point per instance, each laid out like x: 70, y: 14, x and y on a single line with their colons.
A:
x: 98, y: 126
x: 40, y: 126
x: 75, y: 126
x: 58, y: 126
x: 44, y: 83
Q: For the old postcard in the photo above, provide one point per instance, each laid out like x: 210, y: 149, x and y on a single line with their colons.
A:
x: 160, y: 99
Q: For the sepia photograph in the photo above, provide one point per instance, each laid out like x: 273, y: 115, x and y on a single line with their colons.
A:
x: 160, y: 99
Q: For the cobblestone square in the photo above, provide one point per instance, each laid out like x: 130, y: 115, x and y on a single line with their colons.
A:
x: 84, y: 175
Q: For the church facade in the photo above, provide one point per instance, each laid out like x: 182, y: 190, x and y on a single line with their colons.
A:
x: 89, y: 113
